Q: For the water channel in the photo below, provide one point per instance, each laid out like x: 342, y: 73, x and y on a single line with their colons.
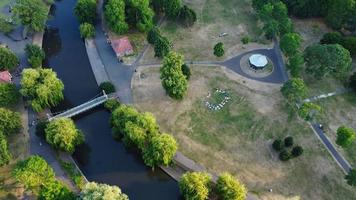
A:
x: 101, y: 158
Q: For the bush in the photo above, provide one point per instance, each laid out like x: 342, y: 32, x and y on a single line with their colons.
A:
x: 5, y: 155
x: 230, y: 188
x: 349, y: 43
x: 87, y: 30
x: 345, y: 136
x: 297, y: 151
x: 331, y: 38
x: 278, y: 145
x: 86, y: 11
x: 8, y: 60
x: 112, y: 104
x: 187, y: 16
x: 98, y: 191
x: 5, y: 25
x: 351, y: 177
x: 73, y: 173
x: 10, y: 122
x: 219, y: 49
x: 9, y: 94
x: 246, y: 40
x: 284, y: 155
x: 35, y: 55
x: 162, y: 47
x: 186, y: 71
x: 195, y: 185
x: 288, y: 141
x: 108, y: 87
x: 55, y: 190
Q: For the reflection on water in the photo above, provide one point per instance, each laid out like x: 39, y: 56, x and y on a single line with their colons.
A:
x: 53, y: 43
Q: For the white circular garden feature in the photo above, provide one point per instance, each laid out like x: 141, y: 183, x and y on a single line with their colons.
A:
x: 258, y: 61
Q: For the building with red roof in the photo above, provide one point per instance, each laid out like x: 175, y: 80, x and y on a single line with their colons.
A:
x: 122, y: 47
x: 5, y: 77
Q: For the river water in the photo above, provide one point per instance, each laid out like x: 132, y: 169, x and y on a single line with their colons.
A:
x: 101, y: 158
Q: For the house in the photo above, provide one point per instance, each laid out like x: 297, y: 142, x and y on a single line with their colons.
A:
x: 5, y: 77
x: 122, y: 47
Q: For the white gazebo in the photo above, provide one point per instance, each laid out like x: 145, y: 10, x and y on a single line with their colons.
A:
x: 258, y: 61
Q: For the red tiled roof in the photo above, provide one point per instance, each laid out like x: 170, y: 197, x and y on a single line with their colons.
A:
x: 5, y: 76
x: 121, y: 46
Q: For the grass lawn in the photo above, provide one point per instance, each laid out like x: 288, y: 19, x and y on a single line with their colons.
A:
x: 238, y: 137
x: 234, y: 17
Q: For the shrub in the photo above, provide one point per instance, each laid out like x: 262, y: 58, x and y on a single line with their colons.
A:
x: 308, y: 111
x: 195, y: 185
x: 98, y: 191
x: 219, y: 49
x: 55, y: 190
x: 288, y: 141
x: 87, y: 30
x: 5, y: 155
x: 345, y: 136
x: 186, y: 71
x: 8, y: 60
x: 9, y: 94
x: 112, y: 104
x: 187, y: 16
x: 349, y: 43
x: 230, y: 188
x: 297, y: 151
x: 278, y: 145
x: 284, y: 155
x: 351, y: 177
x: 10, y: 122
x: 86, y: 11
x: 5, y: 25
x: 331, y: 38
x: 115, y: 16
x: 108, y: 87
x: 35, y: 55
x: 245, y: 40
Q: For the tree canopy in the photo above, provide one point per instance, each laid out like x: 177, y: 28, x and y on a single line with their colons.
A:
x: 5, y: 155
x: 187, y: 16
x: 32, y: 13
x: 115, y: 16
x: 290, y: 43
x: 42, y: 87
x: 172, y: 77
x: 62, y: 134
x: 295, y: 64
x: 308, y: 111
x: 195, y: 185
x: 10, y: 122
x: 35, y: 55
x: 85, y: 10
x: 294, y: 90
x: 9, y: 94
x: 139, y: 13
x: 8, y: 60
x: 351, y: 177
x: 97, y: 191
x: 172, y: 8
x: 345, y: 136
x: 230, y: 188
x: 55, y: 190
x: 219, y: 49
x: 87, y: 30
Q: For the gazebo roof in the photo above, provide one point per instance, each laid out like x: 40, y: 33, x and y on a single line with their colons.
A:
x: 258, y: 60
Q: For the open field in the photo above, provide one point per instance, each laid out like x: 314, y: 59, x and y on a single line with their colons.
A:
x: 234, y: 17
x: 237, y: 138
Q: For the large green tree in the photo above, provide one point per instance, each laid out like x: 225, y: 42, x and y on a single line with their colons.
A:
x: 55, y: 190
x: 33, y: 172
x: 5, y: 155
x: 42, y: 87
x: 162, y: 47
x: 139, y: 13
x: 295, y: 64
x: 230, y: 188
x: 115, y: 16
x: 32, y: 13
x: 290, y: 43
x: 172, y: 8
x: 187, y: 16
x: 172, y: 77
x: 338, y: 12
x: 294, y: 90
x: 8, y: 60
x: 160, y: 150
x: 35, y: 55
x: 9, y: 94
x: 328, y: 59
x: 10, y: 122
x: 345, y: 136
x: 97, y: 191
x: 195, y: 185
x: 86, y: 11
x: 62, y: 134
x: 153, y: 35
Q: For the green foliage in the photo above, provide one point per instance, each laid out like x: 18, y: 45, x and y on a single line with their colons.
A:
x: 230, y: 188
x: 35, y: 55
x: 42, y: 87
x: 295, y: 64
x: 172, y: 77
x: 153, y: 35
x: 33, y: 172
x: 290, y: 43
x: 9, y: 94
x: 158, y: 6
x: 73, y: 173
x: 108, y: 87
x: 10, y: 122
x: 86, y: 11
x: 277, y: 145
x: 8, y: 60
x: 337, y: 12
x: 162, y: 47
x: 160, y: 150
x: 297, y: 151
x: 87, y: 30
x: 32, y: 13
x: 55, y: 190
x: 352, y: 81
x: 284, y: 155
x: 115, y: 16
x: 246, y: 39
x: 139, y: 13
x: 112, y: 104
x: 349, y: 43
x: 331, y: 38
x: 304, y: 8
x: 172, y: 8
x: 327, y: 59
x: 195, y: 185
x: 308, y: 111
x: 219, y: 49
x: 62, y: 134
x: 97, y: 191
x: 294, y: 90
x: 5, y: 155
x: 187, y: 16
x: 134, y: 135
x: 5, y: 25
x: 345, y: 136
x: 288, y: 141
x: 351, y: 177
x: 186, y: 71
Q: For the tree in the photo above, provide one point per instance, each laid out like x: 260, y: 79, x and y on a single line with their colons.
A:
x: 112, y: 104
x: 42, y: 87
x: 153, y: 35
x: 62, y: 134
x: 85, y: 10
x: 308, y: 111
x: 122, y: 115
x: 304, y: 8
x: 349, y: 43
x: 271, y: 29
x: 172, y: 77
x: 87, y: 30
x: 160, y: 150
x: 290, y: 43
x: 33, y: 172
x: 97, y: 191
x: 55, y: 190
x: 35, y: 55
x: 345, y: 136
x: 295, y: 64
x: 277, y: 145
x: 294, y: 90
x: 187, y: 16
x: 186, y: 71
x: 337, y: 12
x: 172, y: 8
x: 139, y: 13
x: 284, y: 155
x: 8, y: 60
x: 108, y: 87
x: 331, y: 38
x: 134, y: 135
x: 9, y: 94
x: 352, y: 81
x: 327, y: 59
x: 351, y: 177
x: 288, y: 141
x: 162, y: 47
x: 230, y: 188
x: 10, y: 122
x: 32, y: 13
x: 219, y: 49
x: 297, y: 151
x: 115, y: 16
x: 158, y: 6
x: 5, y: 155
x: 195, y: 185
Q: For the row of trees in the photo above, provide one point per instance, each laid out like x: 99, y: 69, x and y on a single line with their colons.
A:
x: 198, y: 186
x: 162, y: 46
x: 141, y: 130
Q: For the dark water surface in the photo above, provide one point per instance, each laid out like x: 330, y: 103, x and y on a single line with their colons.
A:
x: 101, y: 158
